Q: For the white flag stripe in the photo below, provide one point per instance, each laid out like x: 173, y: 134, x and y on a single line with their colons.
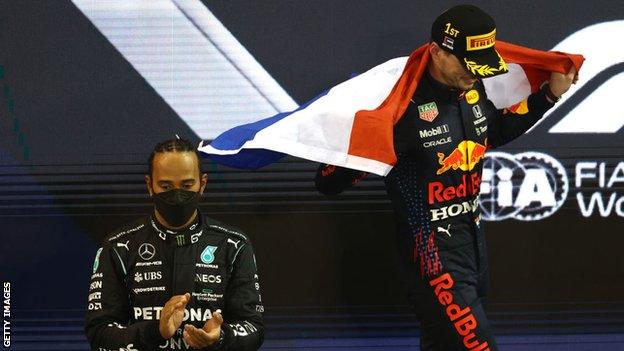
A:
x: 321, y: 132
x: 508, y: 89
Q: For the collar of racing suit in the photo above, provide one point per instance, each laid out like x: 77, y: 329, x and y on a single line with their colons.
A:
x: 441, y: 92
x: 181, y: 237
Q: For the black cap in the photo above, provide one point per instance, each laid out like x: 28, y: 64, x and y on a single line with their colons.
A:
x: 470, y: 34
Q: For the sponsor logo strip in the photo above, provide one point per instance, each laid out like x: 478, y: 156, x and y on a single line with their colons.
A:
x: 480, y: 42
x: 435, y: 131
x: 454, y: 210
x: 439, y: 193
x: 428, y: 112
x: 150, y: 289
x: 208, y: 278
x: 153, y: 313
x: 465, y: 157
x: 463, y: 319
x: 527, y: 186
x: 472, y: 97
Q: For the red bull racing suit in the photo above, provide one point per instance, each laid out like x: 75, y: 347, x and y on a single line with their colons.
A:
x: 142, y: 265
x: 440, y: 144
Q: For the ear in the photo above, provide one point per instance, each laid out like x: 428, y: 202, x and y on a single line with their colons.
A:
x: 148, y: 182
x: 203, y: 182
x: 434, y: 49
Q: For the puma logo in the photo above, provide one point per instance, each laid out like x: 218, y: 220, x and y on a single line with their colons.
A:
x: 124, y: 245
x: 235, y: 243
x: 447, y: 230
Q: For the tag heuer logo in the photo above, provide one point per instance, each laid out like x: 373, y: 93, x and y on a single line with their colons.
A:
x: 428, y: 112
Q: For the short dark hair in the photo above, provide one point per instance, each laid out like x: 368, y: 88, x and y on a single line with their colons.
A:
x: 173, y: 145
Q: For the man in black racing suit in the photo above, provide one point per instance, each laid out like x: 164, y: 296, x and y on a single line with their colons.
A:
x: 440, y: 143
x: 175, y: 280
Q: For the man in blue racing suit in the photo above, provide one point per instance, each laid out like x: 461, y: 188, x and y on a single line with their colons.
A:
x: 440, y: 143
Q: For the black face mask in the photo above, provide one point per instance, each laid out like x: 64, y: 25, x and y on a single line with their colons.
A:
x: 176, y: 206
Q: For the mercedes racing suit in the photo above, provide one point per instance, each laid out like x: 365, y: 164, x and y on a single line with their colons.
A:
x: 142, y: 265
x: 440, y: 143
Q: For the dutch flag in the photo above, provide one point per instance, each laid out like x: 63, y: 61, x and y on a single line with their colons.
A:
x: 350, y: 125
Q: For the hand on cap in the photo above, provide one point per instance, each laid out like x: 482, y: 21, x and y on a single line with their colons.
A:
x: 560, y: 83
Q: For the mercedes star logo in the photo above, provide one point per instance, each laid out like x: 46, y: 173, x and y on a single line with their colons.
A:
x: 147, y: 251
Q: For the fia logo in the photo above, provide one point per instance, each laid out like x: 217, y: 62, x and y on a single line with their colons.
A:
x: 528, y: 186
x: 207, y: 256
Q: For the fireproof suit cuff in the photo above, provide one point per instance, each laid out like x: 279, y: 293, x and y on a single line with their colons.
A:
x: 540, y: 101
x: 232, y: 342
x: 223, y: 342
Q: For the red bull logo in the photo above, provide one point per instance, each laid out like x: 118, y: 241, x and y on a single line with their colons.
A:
x: 465, y: 157
x: 470, y: 186
x: 463, y: 319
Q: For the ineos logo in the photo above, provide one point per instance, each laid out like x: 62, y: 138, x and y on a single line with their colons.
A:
x: 147, y: 251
